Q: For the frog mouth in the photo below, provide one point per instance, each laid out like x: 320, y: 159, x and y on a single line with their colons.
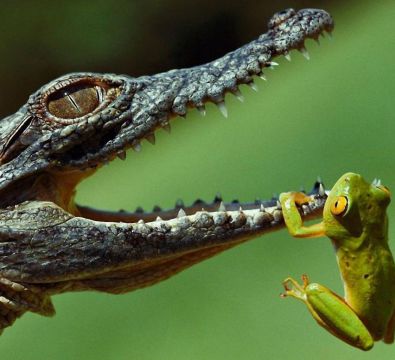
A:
x: 378, y: 185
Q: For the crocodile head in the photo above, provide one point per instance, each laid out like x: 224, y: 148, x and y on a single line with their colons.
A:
x: 80, y: 121
x: 75, y: 124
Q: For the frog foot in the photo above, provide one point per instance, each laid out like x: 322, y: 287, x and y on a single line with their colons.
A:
x: 294, y: 289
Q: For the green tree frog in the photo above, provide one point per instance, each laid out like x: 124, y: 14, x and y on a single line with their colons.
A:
x: 355, y: 219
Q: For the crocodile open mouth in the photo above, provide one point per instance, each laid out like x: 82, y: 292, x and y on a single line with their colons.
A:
x: 80, y: 154
x: 80, y: 121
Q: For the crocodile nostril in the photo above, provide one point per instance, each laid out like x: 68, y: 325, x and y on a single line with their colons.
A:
x: 75, y: 101
x: 280, y: 17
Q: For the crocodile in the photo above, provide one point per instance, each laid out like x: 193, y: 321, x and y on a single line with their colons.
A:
x: 72, y: 126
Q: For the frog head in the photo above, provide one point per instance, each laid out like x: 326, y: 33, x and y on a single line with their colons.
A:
x: 355, y: 207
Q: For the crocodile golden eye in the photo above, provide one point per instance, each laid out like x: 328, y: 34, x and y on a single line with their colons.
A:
x: 75, y: 101
x: 339, y: 206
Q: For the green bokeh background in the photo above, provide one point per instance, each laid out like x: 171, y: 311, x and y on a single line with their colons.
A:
x: 324, y: 117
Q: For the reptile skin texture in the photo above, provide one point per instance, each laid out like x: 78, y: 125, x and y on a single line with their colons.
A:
x: 75, y: 124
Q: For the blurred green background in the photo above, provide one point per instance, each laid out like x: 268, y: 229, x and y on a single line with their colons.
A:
x: 324, y: 117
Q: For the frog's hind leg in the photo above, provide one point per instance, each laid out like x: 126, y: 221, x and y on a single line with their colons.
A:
x: 330, y: 311
x: 389, y: 333
x: 16, y: 299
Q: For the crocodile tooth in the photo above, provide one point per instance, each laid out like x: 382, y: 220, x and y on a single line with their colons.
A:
x: 374, y: 182
x: 253, y: 86
x: 278, y: 204
x: 305, y: 53
x: 240, y: 209
x: 166, y: 127
x: 238, y: 95
x: 222, y: 207
x: 262, y: 208
x: 319, y: 180
x: 330, y: 36
x: 287, y: 55
x: 272, y: 64
x: 151, y: 138
x: 201, y: 109
x: 222, y: 107
x: 158, y: 218
x: 378, y: 182
x: 181, y: 213
x: 321, y: 190
x: 136, y: 146
x: 121, y: 154
x: 141, y: 221
x: 263, y: 76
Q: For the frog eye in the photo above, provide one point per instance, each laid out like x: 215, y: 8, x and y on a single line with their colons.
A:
x: 75, y: 101
x: 339, y: 206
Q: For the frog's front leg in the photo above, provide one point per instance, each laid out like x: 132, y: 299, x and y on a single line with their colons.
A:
x: 330, y: 311
x: 292, y: 218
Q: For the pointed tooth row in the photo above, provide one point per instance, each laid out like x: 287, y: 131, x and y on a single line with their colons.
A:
x: 238, y: 218
x: 221, y: 105
x: 303, y: 49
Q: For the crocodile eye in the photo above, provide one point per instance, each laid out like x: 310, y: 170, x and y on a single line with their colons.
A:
x: 75, y: 101
x: 339, y: 206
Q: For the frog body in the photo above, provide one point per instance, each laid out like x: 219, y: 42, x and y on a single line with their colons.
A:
x: 355, y: 220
